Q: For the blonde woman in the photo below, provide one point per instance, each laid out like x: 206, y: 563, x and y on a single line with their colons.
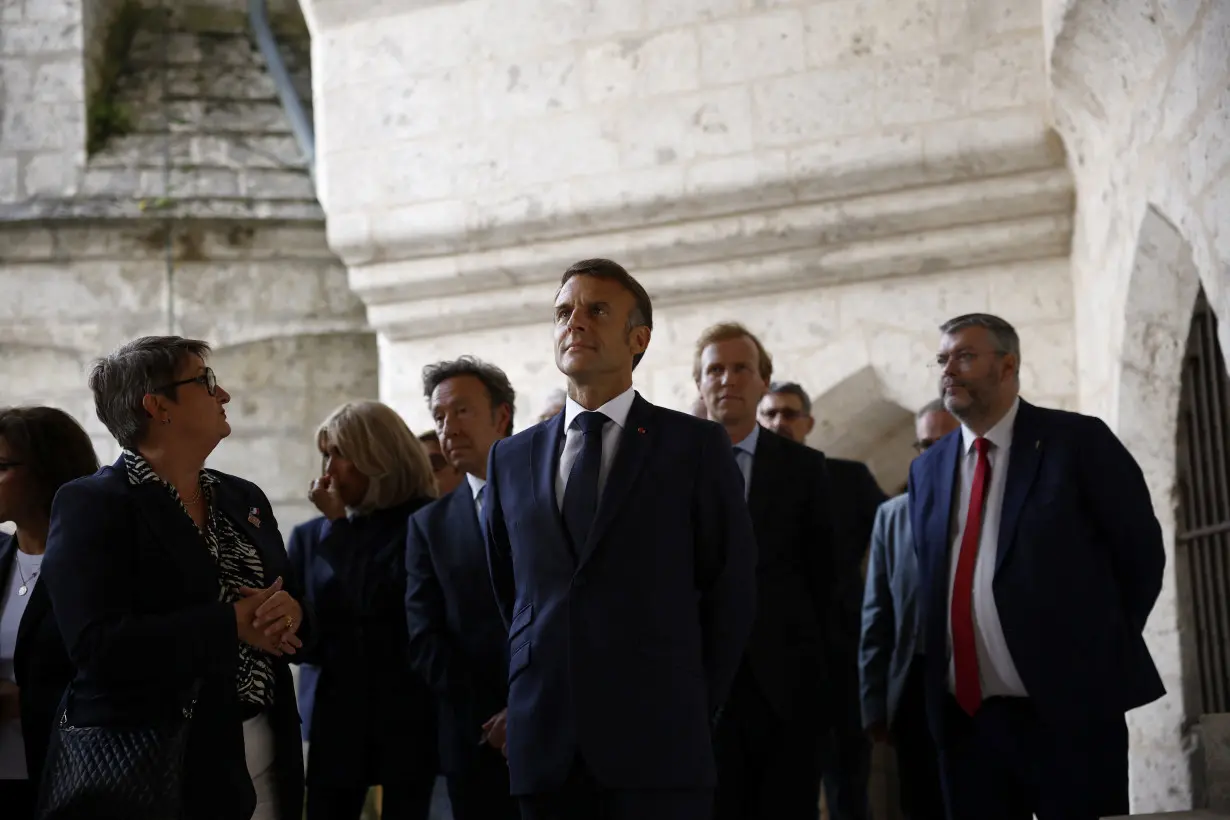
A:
x: 369, y: 719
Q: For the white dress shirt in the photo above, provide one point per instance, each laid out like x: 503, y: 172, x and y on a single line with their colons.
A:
x: 476, y: 487
x: 616, y: 410
x: 996, y: 669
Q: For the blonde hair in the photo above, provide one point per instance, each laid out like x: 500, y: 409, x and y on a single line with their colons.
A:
x: 377, y: 440
x: 724, y: 332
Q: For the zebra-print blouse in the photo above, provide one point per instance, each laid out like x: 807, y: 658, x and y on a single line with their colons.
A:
x: 239, y: 565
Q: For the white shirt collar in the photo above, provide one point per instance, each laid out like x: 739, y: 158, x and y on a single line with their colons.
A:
x: 476, y: 484
x: 1000, y: 435
x: 616, y: 409
x: 748, y: 445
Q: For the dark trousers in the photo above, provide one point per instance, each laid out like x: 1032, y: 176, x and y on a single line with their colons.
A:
x: 1006, y: 763
x: 767, y: 767
x: 581, y: 798
x: 845, y: 752
x: 18, y: 799
x: 407, y: 799
x: 918, y: 768
x: 481, y: 791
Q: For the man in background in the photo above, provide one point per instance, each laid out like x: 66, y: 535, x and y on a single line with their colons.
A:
x: 765, y: 741
x: 447, y: 476
x: 457, y: 638
x: 846, y: 754
x: 891, y: 663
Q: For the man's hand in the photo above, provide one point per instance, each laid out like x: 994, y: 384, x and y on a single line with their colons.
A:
x: 326, y: 498
x: 495, y: 732
x: 878, y: 732
x: 10, y: 704
x: 279, y: 642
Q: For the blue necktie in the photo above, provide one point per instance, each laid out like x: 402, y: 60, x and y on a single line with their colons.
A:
x: 581, y: 493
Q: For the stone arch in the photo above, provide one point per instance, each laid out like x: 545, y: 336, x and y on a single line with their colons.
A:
x: 1162, y: 290
x: 856, y: 418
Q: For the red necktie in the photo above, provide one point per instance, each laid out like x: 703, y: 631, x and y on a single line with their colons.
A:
x: 964, y: 649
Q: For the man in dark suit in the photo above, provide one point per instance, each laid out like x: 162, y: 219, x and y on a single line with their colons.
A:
x: 457, y: 638
x: 634, y: 585
x: 1040, y: 560
x: 768, y: 766
x: 844, y: 748
x: 892, y: 650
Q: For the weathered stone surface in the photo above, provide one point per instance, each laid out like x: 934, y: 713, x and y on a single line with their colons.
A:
x: 1139, y: 111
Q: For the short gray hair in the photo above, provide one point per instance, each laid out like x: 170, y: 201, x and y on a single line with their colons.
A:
x: 1002, y: 333
x: 121, y: 381
x: 495, y: 380
x: 792, y: 389
x: 933, y: 406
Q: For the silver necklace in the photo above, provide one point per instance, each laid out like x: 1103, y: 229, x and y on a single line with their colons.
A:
x: 25, y: 582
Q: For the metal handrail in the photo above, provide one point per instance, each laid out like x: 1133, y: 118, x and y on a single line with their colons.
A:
x: 300, y: 125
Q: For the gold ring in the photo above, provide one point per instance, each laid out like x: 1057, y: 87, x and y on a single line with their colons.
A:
x: 290, y: 622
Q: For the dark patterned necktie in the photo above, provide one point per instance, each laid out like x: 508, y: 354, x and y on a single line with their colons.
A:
x: 581, y: 493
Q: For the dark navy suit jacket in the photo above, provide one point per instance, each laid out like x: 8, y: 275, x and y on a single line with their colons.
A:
x: 135, y: 593
x: 458, y: 642
x: 622, y: 648
x: 1078, y: 569
x: 40, y: 662
x: 368, y: 716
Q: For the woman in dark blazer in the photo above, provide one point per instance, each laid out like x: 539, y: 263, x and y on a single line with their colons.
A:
x: 368, y: 719
x: 164, y: 574
x: 41, y: 448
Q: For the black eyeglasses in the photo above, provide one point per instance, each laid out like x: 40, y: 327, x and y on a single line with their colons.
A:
x: 923, y: 444
x: 208, y: 379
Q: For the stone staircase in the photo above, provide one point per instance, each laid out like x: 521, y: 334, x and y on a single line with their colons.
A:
x: 204, y: 133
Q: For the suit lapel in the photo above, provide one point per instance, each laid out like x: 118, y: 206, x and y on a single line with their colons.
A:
x: 764, y: 477
x: 944, y: 478
x: 463, y: 520
x: 635, y: 442
x: 546, y: 447
x: 248, y: 520
x: 173, y: 530
x: 1023, y: 463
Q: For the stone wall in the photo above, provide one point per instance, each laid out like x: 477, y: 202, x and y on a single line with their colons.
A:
x: 1141, y: 96
x: 840, y: 175
x: 42, y: 98
x: 861, y: 349
x: 290, y: 338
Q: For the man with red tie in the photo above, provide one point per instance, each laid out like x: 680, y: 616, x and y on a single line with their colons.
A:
x: 1040, y: 559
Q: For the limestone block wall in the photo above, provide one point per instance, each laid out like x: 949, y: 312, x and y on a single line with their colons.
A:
x: 503, y: 122
x: 861, y: 349
x: 1141, y: 96
x: 42, y: 96
x: 290, y: 338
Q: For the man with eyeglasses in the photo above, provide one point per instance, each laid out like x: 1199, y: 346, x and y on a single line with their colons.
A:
x: 846, y: 754
x: 891, y: 688
x: 447, y: 476
x: 1040, y: 560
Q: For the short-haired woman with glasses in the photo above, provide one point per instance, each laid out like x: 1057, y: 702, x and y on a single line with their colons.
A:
x: 166, y: 576
x: 368, y: 719
x: 41, y: 448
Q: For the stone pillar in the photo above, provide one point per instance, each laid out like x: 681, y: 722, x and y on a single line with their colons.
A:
x: 290, y: 338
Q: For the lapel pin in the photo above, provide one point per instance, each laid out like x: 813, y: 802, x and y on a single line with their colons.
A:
x: 640, y: 430
x: 253, y: 518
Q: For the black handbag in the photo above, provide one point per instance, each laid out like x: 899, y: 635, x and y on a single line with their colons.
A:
x: 104, y: 772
